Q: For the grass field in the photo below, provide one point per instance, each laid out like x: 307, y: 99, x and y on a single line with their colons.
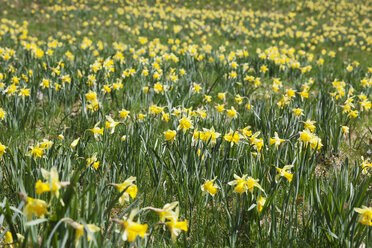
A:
x: 185, y: 123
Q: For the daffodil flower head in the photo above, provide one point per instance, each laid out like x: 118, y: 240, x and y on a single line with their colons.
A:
x: 132, y: 229
x: 260, y: 203
x: 276, y: 140
x: 240, y: 182
x: 233, y: 137
x: 365, y: 215
x: 310, y: 125
x: 210, y: 135
x: 96, y: 130
x: 129, y: 187
x: 209, y: 187
x: 35, y: 206
x: 232, y: 113
x: 36, y: 151
x: 185, y: 124
x: 52, y: 185
x: 283, y: 172
x: 251, y: 183
x: 74, y: 143
x: 2, y: 149
x: 170, y: 135
x: 92, y: 161
x: 176, y: 227
x: 111, y: 124
x: 79, y: 230
x: 169, y: 210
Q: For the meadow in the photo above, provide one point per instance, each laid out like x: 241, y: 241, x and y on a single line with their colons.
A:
x: 185, y: 123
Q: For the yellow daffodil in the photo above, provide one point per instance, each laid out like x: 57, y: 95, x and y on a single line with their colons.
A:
x: 283, y: 172
x: 170, y: 135
x: 129, y: 187
x: 74, y: 143
x: 111, y: 124
x: 2, y: 149
x: 2, y: 114
x: 79, y: 230
x: 175, y: 227
x: 345, y: 130
x: 310, y: 125
x: 34, y: 207
x: 96, y: 130
x: 251, y: 183
x: 232, y: 137
x: 36, y: 151
x: 185, y: 124
x: 92, y: 161
x: 366, y: 166
x: 297, y: 112
x: 232, y: 113
x: 365, y: 214
x: 132, y: 229
x: 124, y: 113
x: 167, y: 211
x: 209, y: 187
x: 276, y: 140
x: 240, y: 182
x: 220, y: 107
x: 209, y: 135
x: 260, y: 203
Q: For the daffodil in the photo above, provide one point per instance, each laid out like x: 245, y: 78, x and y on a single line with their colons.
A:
x: 247, y: 132
x: 260, y: 203
x: 167, y: 211
x: 91, y: 96
x: 92, y: 161
x: 222, y: 96
x: 36, y: 151
x: 2, y: 114
x: 276, y: 140
x: 176, y: 227
x: 365, y: 215
x: 297, y: 112
x: 124, y: 113
x: 366, y: 166
x: 210, y: 135
x: 129, y: 187
x: 79, y: 230
x: 309, y: 138
x: 34, y: 207
x: 257, y: 143
x: 111, y: 124
x: 283, y: 172
x: 220, y: 107
x: 310, y: 125
x: 46, y: 144
x: 232, y: 113
x: 196, y: 88
x: 232, y: 137
x: 209, y: 187
x: 240, y: 182
x: 74, y: 143
x: 185, y: 124
x: 345, y: 129
x: 306, y: 136
x: 2, y: 149
x: 132, y: 229
x: 96, y: 130
x: 165, y: 117
x: 170, y: 135
x: 251, y: 183
x: 9, y: 241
